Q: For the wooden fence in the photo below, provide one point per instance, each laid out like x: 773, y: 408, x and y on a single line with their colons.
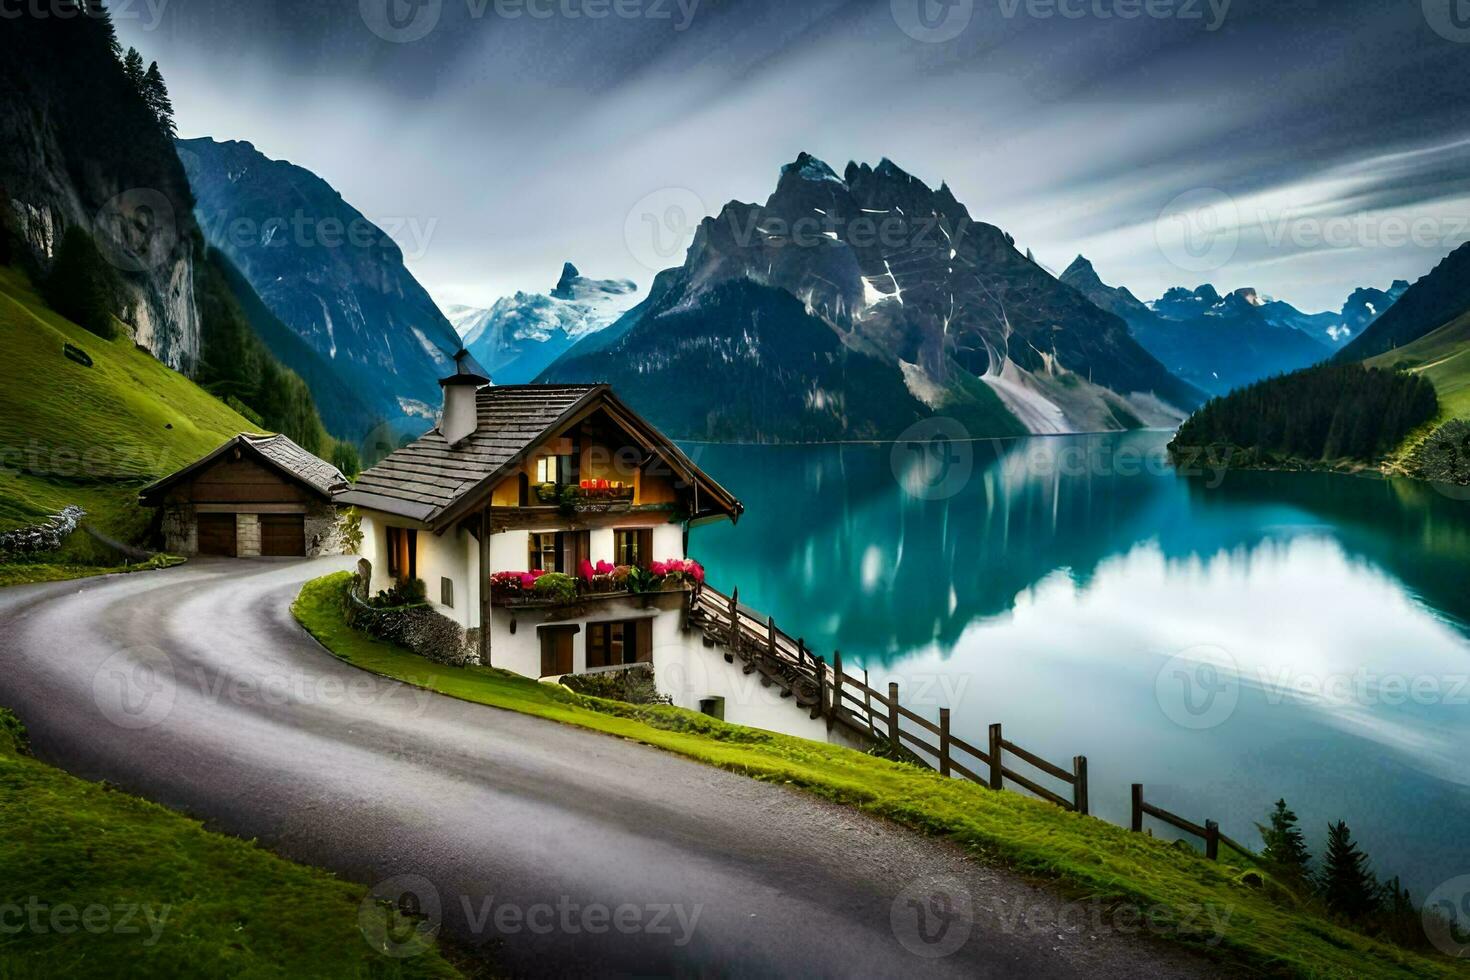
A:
x: 850, y: 701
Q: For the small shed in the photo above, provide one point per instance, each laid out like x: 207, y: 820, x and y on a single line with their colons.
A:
x: 253, y: 496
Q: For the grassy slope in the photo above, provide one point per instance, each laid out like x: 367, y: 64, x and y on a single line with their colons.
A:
x: 98, y: 433
x: 1443, y: 357
x: 221, y: 906
x: 1088, y: 857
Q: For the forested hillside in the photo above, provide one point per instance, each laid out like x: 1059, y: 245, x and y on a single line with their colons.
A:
x: 1323, y: 414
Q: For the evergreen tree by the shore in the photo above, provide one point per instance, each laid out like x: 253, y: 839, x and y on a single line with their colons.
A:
x: 1346, y: 883
x: 1286, y: 849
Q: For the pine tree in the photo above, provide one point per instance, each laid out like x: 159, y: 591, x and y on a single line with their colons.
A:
x: 1286, y: 849
x: 133, y: 69
x: 155, y: 93
x: 1345, y: 882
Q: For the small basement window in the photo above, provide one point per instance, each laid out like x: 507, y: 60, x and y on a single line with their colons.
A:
x: 446, y: 592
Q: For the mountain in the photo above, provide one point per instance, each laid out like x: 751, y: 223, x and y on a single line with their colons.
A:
x: 1215, y: 342
x: 852, y: 306
x: 1433, y: 301
x: 331, y: 276
x: 79, y: 148
x: 1365, y: 306
x: 519, y: 337
x: 1374, y: 404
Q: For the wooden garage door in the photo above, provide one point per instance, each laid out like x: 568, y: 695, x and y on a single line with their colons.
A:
x: 282, y: 535
x: 217, y: 534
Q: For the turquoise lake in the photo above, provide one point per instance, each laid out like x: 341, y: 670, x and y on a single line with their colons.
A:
x: 1225, y: 640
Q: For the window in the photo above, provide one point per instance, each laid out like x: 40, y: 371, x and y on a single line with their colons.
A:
x: 617, y: 644
x: 556, y: 649
x: 633, y: 546
x: 446, y: 592
x: 403, y: 547
x: 554, y: 469
x: 546, y: 553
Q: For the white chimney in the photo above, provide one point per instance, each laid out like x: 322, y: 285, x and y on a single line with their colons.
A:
x: 461, y: 416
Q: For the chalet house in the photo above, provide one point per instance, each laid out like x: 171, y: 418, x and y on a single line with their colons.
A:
x: 253, y: 496
x: 567, y: 479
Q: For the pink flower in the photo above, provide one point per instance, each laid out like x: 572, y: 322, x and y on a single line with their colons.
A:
x: 584, y: 570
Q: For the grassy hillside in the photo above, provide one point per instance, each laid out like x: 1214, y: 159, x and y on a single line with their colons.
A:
x: 1442, y: 356
x: 117, y: 886
x: 91, y: 436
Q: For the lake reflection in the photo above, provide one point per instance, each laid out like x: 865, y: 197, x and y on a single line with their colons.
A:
x: 1069, y: 588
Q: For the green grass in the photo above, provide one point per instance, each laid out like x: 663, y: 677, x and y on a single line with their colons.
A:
x: 219, y: 906
x: 30, y: 573
x: 1442, y: 356
x: 1268, y: 928
x: 91, y: 436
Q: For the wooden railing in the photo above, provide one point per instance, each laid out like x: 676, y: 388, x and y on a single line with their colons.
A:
x: 1209, y: 833
x: 852, y: 702
x: 849, y: 701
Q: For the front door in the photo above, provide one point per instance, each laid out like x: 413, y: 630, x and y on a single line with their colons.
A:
x: 217, y: 534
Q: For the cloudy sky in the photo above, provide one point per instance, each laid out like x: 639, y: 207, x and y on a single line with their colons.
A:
x: 1303, y: 147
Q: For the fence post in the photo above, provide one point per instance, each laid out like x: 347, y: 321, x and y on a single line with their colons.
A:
x: 734, y: 620
x: 821, y: 666
x: 800, y: 652
x: 771, y: 637
x: 868, y: 702
x: 836, y: 688
x: 1137, y: 825
x: 944, y: 741
x: 1212, y: 840
x: 893, y: 713
x: 1079, y: 784
x: 997, y: 774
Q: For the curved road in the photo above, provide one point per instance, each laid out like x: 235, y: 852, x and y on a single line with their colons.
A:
x: 558, y: 851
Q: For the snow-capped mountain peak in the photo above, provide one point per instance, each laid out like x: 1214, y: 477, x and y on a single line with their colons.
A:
x: 520, y: 335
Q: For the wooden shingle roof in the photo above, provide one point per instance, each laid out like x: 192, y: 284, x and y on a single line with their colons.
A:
x: 426, y: 476
x: 432, y: 482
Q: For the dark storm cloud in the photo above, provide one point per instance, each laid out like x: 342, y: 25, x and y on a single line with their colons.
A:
x: 517, y: 134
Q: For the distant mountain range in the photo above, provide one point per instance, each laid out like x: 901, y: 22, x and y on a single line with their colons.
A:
x: 1222, y: 342
x: 1369, y: 406
x: 332, y: 277
x: 519, y: 337
x: 853, y: 306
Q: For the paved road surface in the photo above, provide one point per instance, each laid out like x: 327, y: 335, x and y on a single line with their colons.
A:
x: 559, y: 851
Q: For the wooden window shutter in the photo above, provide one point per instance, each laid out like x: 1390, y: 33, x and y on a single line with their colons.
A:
x: 394, y: 535
x: 413, y: 554
x: 645, y: 547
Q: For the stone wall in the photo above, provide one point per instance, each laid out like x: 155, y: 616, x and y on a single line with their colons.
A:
x: 180, y: 530
x: 420, y: 628
x: 323, y: 532
x: 247, y: 535
x: 47, y: 536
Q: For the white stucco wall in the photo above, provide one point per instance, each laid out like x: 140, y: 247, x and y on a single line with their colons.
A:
x: 684, y: 668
